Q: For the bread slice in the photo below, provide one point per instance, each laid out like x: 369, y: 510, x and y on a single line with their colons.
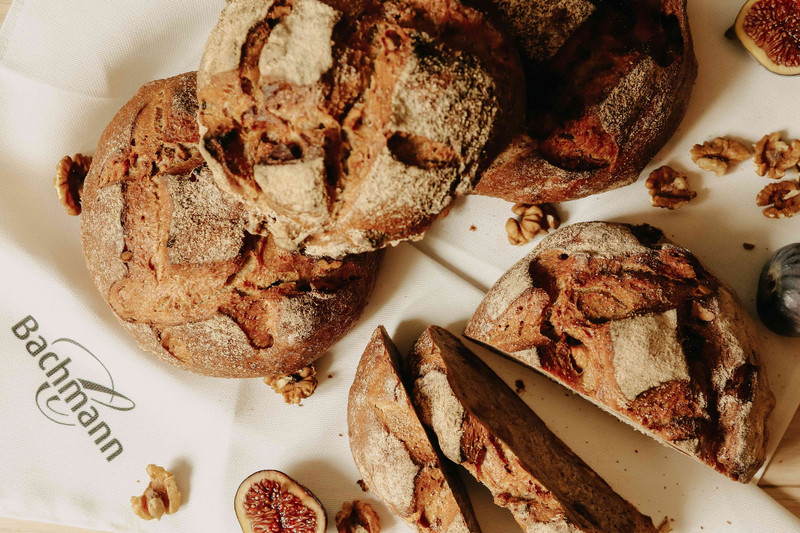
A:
x: 637, y: 325
x: 484, y: 426
x: 392, y: 451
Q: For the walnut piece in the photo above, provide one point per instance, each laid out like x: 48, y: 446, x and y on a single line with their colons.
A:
x: 774, y: 157
x: 357, y: 517
x: 668, y: 188
x: 719, y: 154
x: 534, y: 220
x: 783, y: 199
x: 70, y: 174
x: 160, y: 497
x: 294, y: 387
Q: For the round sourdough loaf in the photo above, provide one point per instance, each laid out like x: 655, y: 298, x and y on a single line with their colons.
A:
x: 608, y: 84
x: 350, y: 126
x: 169, y: 252
x: 637, y: 325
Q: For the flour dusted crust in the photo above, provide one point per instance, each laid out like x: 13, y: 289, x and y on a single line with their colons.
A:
x: 637, y: 325
x: 608, y: 84
x: 350, y: 126
x: 169, y: 252
x: 392, y: 451
x: 483, y: 425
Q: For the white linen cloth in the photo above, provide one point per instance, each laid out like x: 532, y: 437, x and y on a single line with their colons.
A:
x: 65, y: 68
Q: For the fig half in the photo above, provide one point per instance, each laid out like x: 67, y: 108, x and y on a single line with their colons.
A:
x: 778, y: 300
x: 770, y: 30
x: 269, y: 501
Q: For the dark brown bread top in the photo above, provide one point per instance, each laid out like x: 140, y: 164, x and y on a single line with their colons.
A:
x: 637, y: 325
x: 392, y: 451
x: 608, y: 84
x: 170, y: 253
x: 350, y: 126
x: 483, y: 425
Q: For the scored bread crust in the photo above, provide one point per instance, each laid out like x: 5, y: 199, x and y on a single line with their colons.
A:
x: 393, y: 452
x: 169, y: 252
x: 483, y: 425
x: 616, y: 114
x: 638, y: 326
x: 351, y: 126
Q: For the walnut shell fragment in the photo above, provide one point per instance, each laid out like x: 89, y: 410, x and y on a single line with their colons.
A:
x: 773, y: 157
x: 160, y: 497
x: 357, y: 517
x: 69, y: 179
x: 719, y: 155
x: 783, y: 199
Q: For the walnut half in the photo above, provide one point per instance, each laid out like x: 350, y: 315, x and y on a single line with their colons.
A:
x: 534, y: 220
x: 668, y: 188
x: 70, y: 174
x: 774, y: 157
x: 783, y: 199
x: 357, y: 517
x: 718, y: 155
x: 160, y: 497
x: 294, y: 387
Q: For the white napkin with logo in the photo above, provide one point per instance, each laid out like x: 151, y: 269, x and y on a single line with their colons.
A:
x: 65, y: 69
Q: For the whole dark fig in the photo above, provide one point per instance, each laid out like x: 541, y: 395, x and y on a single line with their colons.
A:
x: 778, y: 301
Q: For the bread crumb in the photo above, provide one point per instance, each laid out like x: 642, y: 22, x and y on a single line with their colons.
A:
x: 748, y: 246
x: 473, y: 228
x: 519, y: 386
x: 361, y: 483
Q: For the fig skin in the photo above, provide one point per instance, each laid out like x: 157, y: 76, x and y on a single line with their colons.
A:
x: 287, y: 486
x: 760, y: 53
x: 778, y: 300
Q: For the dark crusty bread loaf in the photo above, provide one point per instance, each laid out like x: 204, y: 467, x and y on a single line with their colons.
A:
x: 169, y: 252
x: 483, y: 425
x: 392, y: 451
x: 350, y: 126
x: 637, y: 325
x: 608, y: 84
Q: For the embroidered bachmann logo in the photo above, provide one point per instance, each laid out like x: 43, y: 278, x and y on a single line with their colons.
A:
x: 67, y: 399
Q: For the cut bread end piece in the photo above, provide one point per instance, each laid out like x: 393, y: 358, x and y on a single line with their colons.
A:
x: 393, y: 452
x: 675, y: 356
x: 484, y: 426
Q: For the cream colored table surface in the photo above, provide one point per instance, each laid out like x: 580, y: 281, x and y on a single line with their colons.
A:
x: 781, y: 480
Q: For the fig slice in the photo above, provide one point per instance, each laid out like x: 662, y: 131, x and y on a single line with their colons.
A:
x: 770, y: 30
x: 269, y: 501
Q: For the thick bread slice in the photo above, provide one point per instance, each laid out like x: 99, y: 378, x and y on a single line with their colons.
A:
x: 392, y: 451
x: 638, y: 326
x: 483, y: 425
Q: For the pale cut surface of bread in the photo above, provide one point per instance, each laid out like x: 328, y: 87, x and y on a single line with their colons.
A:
x: 169, y: 252
x: 393, y: 452
x: 351, y: 126
x: 608, y: 84
x: 637, y: 325
x: 484, y: 426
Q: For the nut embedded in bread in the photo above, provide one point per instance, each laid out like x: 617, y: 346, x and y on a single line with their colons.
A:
x: 608, y: 84
x: 483, y: 425
x: 350, y: 126
x: 637, y: 325
x: 169, y: 252
x: 392, y: 451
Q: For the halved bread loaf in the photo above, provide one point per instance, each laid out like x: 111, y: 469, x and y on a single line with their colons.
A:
x: 638, y: 326
x: 392, y: 451
x: 483, y: 425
